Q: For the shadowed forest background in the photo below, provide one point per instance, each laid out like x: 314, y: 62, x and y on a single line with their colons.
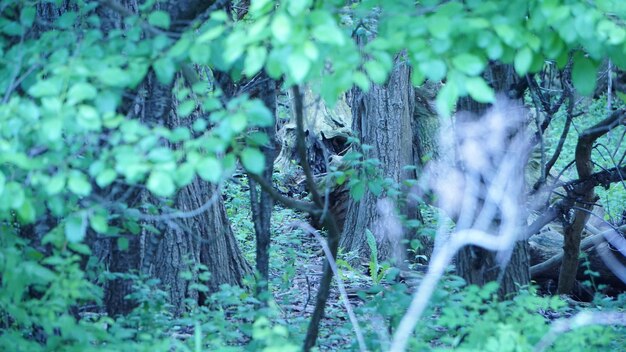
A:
x: 312, y: 175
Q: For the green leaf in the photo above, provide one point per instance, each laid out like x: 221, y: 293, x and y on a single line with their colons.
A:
x: 376, y: 71
x: 258, y: 138
x: 122, y: 243
x: 295, y: 7
x: 299, y: 66
x: 164, y: 69
x: 67, y: 19
x: 479, y: 90
x: 469, y: 64
x: 186, y: 108
x: 200, y: 125
x: 255, y: 59
x: 2, y: 182
x: 238, y: 122
x: 55, y: 184
x: 209, y: 169
x: 417, y: 77
x: 26, y: 212
x: 29, y: 110
x: 494, y: 50
x: 75, y: 227
x: 106, y: 177
x: 88, y: 117
x: 78, y: 183
x: 281, y: 28
x: 113, y: 76
x: 259, y: 114
x: 435, y: 70
x: 523, y: 60
x: 361, y: 81
x: 180, y: 48
x: 584, y: 74
x: 200, y: 54
x: 13, y: 196
x: 274, y: 67
x: 446, y: 98
x: 371, y: 243
x: 27, y: 16
x: 258, y: 7
x: 329, y: 33
x: 184, y: 174
x: 160, y: 183
x: 253, y: 160
x: 81, y: 91
x: 159, y: 19
x: 98, y: 223
x: 357, y: 190
x: 45, y: 88
x: 210, y: 34
x: 439, y: 26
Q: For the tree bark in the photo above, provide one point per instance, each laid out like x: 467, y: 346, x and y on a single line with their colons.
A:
x: 261, y: 202
x: 477, y: 265
x: 382, y: 118
x: 585, y: 197
x: 425, y: 124
x: 184, y: 243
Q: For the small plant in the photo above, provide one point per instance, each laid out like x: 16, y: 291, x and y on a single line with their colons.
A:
x: 377, y: 271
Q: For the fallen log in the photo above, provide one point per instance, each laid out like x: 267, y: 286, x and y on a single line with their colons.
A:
x: 546, y: 254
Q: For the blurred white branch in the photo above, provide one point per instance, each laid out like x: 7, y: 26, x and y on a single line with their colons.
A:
x: 578, y: 321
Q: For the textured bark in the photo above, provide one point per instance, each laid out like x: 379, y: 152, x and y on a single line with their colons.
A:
x: 425, y: 124
x: 585, y: 197
x: 327, y: 132
x: 183, y: 243
x: 261, y: 202
x: 382, y: 118
x: 121, y: 262
x: 546, y: 254
x: 477, y: 265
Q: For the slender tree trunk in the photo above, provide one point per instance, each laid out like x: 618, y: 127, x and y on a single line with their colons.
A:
x: 261, y: 202
x: 426, y: 136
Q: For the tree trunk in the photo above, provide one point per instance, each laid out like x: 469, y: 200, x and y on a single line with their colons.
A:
x: 382, y: 119
x: 425, y: 124
x: 477, y: 265
x: 261, y: 203
x: 184, y: 242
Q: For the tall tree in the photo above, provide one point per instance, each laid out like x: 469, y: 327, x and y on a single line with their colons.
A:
x: 382, y: 118
x: 199, y: 232
x: 478, y: 265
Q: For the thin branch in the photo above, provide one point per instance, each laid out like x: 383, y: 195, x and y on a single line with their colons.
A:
x: 307, y: 207
x: 568, y: 123
x: 588, y: 243
x: 342, y: 289
x: 301, y: 146
x: 580, y: 320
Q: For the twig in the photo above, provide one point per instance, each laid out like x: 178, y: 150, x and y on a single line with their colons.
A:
x: 287, y: 201
x: 579, y: 320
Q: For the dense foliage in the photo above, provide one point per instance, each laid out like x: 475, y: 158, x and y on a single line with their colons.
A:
x: 80, y: 130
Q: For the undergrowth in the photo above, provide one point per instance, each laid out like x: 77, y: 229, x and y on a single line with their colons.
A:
x: 48, y: 305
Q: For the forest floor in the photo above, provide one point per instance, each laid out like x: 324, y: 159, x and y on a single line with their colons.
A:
x: 296, y: 265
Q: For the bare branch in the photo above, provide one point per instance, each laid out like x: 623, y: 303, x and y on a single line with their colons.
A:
x: 580, y: 320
